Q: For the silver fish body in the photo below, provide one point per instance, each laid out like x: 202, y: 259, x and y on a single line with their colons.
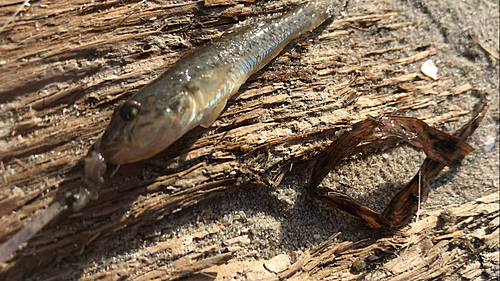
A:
x: 195, y: 90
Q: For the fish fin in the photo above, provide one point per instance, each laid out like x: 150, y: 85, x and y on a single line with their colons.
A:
x: 205, y: 87
x: 209, y: 119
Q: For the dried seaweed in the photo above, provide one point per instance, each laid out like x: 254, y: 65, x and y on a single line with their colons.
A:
x: 442, y: 150
x: 404, y: 204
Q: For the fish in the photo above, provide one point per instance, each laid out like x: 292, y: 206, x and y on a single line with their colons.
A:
x: 193, y: 92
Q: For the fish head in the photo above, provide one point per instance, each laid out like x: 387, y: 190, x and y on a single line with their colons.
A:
x: 144, y: 126
x: 140, y: 128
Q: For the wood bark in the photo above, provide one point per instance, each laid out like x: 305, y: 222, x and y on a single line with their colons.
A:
x: 66, y: 65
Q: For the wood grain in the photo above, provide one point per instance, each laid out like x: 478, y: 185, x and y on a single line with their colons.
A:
x: 65, y: 66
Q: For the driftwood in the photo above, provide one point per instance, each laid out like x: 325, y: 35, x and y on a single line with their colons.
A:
x: 66, y: 66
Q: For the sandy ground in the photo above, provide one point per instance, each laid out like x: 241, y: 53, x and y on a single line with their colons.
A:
x: 286, y: 219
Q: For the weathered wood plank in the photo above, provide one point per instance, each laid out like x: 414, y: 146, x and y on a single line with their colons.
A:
x: 66, y: 65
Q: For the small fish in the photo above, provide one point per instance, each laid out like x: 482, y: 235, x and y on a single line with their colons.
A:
x: 193, y: 92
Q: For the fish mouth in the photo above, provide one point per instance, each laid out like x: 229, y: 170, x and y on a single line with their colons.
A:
x: 95, y: 168
x: 127, y: 154
x: 117, y: 153
x: 93, y: 178
x: 118, y: 157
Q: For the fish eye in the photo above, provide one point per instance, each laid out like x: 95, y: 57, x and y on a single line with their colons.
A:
x: 130, y: 110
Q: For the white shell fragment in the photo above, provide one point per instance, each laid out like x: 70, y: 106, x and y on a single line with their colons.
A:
x: 429, y: 69
x: 488, y: 144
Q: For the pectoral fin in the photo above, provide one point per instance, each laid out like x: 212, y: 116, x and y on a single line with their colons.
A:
x: 205, y: 88
x: 210, y: 118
